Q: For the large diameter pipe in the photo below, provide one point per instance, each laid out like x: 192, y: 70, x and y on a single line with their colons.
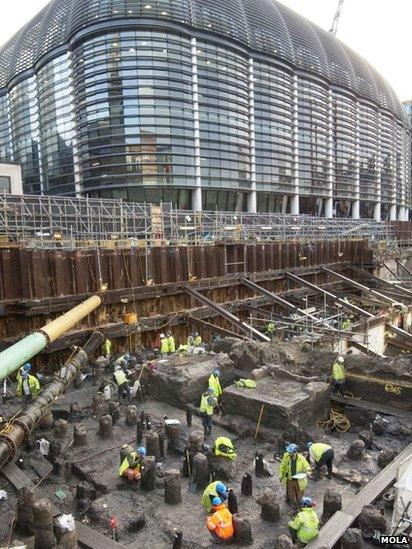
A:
x: 23, y: 424
x: 57, y: 327
x: 15, y: 356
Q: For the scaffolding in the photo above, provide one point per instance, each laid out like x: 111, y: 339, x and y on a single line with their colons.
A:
x: 50, y: 221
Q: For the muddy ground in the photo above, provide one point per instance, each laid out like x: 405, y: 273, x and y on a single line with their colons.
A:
x: 115, y: 498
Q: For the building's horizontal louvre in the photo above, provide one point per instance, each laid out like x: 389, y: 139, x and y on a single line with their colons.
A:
x: 313, y: 137
x: 368, y: 151
x: 224, y: 118
x: 273, y: 129
x: 344, y: 145
x: 133, y: 110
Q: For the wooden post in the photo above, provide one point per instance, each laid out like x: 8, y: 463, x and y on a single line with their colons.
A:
x: 259, y: 420
x: 152, y: 444
x: 43, y: 525
x: 200, y: 471
x: 149, y: 474
x: 106, y: 426
x: 242, y: 531
x: 173, y: 487
x: 80, y: 434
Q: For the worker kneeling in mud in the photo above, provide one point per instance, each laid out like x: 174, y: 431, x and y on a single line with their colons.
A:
x: 131, y: 466
x: 214, y: 490
x: 224, y: 447
x: 305, y: 526
x: 220, y: 523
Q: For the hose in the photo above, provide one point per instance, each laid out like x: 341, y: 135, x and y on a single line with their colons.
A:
x: 337, y: 421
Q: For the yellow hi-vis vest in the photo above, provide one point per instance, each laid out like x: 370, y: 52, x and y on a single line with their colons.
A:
x: 214, y: 384
x: 198, y: 341
x: 209, y: 493
x: 107, y: 347
x: 285, y: 471
x: 229, y: 448
x: 171, y: 344
x: 34, y: 385
x: 317, y: 450
x: 131, y: 460
x: 120, y: 377
x: 338, y: 372
x: 205, y: 405
x: 306, y: 525
x: 164, y: 346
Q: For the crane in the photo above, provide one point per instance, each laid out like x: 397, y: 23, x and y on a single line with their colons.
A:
x: 334, y: 28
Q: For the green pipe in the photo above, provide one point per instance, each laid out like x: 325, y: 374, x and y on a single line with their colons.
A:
x: 21, y: 352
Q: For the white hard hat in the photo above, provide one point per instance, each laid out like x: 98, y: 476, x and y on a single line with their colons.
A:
x: 341, y: 359
x: 162, y: 336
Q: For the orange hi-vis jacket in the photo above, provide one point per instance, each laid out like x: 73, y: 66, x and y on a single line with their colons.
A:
x: 221, y: 522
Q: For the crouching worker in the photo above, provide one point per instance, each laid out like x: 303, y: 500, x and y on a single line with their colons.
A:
x: 223, y: 447
x: 305, y: 526
x: 220, y: 523
x: 215, y: 490
x: 131, y: 467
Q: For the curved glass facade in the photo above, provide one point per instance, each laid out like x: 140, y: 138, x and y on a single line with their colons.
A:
x: 56, y: 127
x: 205, y: 104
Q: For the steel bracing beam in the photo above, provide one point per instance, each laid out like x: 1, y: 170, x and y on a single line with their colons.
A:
x: 393, y: 284
x: 364, y: 288
x: 345, y: 304
x: 213, y: 327
x: 243, y: 326
x: 284, y: 303
x: 403, y: 267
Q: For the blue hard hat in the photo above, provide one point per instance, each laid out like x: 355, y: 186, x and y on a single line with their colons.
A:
x: 221, y: 488
x: 217, y: 501
x: 216, y: 372
x: 308, y: 445
x: 142, y: 451
x: 292, y: 448
x: 27, y: 367
x: 307, y: 502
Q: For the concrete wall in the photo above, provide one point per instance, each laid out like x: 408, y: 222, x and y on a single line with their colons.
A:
x: 13, y: 172
x: 374, y: 339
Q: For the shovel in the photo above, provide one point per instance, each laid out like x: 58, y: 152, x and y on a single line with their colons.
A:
x: 192, y: 485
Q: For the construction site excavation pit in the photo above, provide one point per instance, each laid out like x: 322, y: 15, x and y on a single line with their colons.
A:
x: 87, y: 433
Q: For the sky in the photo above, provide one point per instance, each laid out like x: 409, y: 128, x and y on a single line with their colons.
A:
x: 380, y: 30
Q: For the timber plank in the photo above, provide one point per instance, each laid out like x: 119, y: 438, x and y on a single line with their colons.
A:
x: 89, y: 538
x: 366, y: 405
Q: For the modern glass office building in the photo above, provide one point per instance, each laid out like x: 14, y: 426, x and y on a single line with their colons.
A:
x: 228, y: 104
